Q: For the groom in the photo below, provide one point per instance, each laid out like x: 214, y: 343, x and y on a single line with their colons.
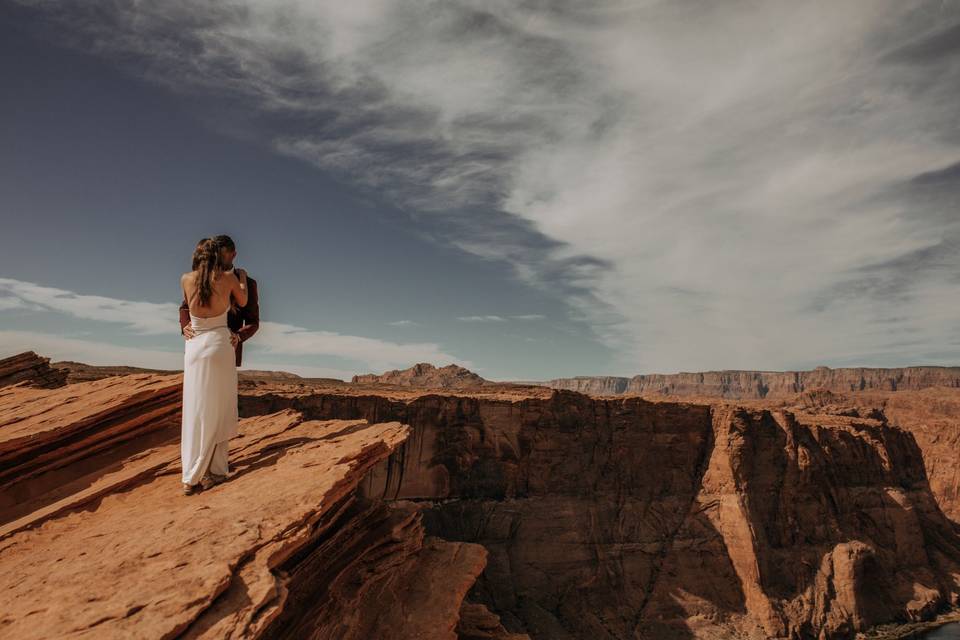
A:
x: 243, y: 321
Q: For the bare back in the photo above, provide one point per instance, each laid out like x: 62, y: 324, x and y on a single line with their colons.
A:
x: 224, y: 285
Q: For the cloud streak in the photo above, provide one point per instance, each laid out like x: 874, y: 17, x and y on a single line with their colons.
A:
x: 727, y: 185
x: 154, y: 320
x: 285, y: 339
x: 147, y: 318
x: 93, y: 352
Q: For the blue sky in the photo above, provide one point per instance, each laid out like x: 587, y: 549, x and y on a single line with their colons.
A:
x: 530, y: 191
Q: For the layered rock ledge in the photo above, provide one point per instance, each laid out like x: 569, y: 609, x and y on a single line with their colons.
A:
x: 31, y: 369
x: 288, y: 547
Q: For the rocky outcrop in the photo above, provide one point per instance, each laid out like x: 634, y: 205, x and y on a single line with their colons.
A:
x: 828, y: 527
x: 932, y: 416
x: 32, y: 370
x: 100, y: 542
x: 623, y: 518
x: 51, y: 439
x: 762, y: 384
x: 425, y: 375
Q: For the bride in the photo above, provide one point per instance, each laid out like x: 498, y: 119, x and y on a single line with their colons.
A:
x: 209, y: 369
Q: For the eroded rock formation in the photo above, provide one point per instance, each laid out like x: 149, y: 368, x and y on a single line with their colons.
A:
x: 31, y: 369
x: 828, y: 525
x: 763, y: 384
x: 488, y: 513
x: 425, y: 375
x: 623, y: 518
x: 931, y: 415
x: 51, y: 440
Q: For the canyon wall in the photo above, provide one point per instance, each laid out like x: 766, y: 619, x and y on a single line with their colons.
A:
x: 932, y: 416
x: 762, y: 384
x: 623, y: 518
x: 503, y: 514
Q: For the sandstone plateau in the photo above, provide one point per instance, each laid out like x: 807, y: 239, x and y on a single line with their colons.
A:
x: 735, y: 384
x: 488, y: 512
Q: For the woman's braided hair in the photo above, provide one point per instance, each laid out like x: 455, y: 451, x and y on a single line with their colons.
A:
x: 206, y: 262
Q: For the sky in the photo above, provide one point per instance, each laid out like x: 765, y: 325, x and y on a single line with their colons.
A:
x: 528, y: 189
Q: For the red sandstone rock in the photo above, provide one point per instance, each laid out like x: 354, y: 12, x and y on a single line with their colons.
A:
x: 31, y: 369
x: 50, y: 438
x: 622, y: 518
x: 762, y: 384
x: 505, y: 512
x: 827, y: 526
x: 288, y: 547
x: 931, y: 415
x: 479, y: 623
x: 425, y: 375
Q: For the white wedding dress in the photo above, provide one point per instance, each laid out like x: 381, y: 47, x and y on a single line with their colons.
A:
x: 210, y: 411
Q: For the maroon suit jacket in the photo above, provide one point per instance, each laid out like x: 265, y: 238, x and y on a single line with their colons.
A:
x: 244, y: 322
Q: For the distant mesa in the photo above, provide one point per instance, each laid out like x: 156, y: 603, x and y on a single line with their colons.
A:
x: 745, y: 384
x: 425, y: 375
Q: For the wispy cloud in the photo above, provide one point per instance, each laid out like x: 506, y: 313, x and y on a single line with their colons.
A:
x: 153, y: 320
x: 495, y: 318
x: 88, y: 351
x: 403, y: 323
x: 11, y: 303
x: 285, y: 339
x: 709, y: 186
x: 140, y: 317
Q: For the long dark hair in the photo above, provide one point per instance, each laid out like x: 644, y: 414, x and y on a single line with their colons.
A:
x: 206, y: 262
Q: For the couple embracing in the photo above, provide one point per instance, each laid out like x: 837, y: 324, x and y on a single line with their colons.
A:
x: 220, y: 310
